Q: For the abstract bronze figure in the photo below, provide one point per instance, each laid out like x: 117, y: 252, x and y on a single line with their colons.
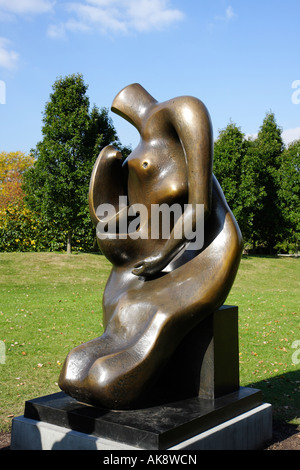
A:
x: 158, y: 289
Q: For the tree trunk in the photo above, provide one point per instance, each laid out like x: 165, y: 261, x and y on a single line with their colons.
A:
x: 69, y: 242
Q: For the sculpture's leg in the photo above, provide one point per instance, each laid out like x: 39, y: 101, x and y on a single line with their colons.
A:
x: 119, y: 380
x: 125, y: 329
x: 74, y: 373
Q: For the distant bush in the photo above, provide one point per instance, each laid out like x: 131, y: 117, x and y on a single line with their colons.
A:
x: 24, y: 230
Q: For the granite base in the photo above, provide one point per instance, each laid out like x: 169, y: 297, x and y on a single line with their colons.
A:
x: 248, y: 431
x: 155, y: 428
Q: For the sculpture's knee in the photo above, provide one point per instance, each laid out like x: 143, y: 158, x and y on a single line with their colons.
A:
x: 111, y: 385
x: 73, y: 371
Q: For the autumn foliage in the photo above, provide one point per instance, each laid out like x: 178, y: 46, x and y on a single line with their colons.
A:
x: 21, y: 228
x: 12, y: 167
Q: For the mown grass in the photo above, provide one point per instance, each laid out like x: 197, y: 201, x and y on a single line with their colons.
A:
x: 49, y: 304
x: 267, y: 293
x: 52, y: 302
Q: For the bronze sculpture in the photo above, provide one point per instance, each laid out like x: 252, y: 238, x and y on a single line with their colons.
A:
x: 158, y: 289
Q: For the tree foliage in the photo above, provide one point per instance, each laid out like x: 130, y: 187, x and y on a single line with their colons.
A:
x: 260, y: 179
x: 289, y: 190
x: 230, y: 150
x: 73, y: 135
x: 22, y: 229
x: 268, y: 221
x: 12, y: 167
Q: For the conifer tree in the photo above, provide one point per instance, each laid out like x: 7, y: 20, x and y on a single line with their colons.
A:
x: 268, y: 147
x: 73, y: 135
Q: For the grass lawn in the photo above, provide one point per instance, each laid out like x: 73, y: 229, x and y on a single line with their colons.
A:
x: 53, y: 302
x: 267, y: 292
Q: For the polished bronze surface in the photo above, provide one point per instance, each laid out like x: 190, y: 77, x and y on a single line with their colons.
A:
x: 159, y: 289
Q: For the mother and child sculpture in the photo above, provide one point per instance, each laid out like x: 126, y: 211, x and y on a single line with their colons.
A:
x: 159, y: 289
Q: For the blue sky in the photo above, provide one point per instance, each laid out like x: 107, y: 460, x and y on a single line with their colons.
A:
x: 241, y: 58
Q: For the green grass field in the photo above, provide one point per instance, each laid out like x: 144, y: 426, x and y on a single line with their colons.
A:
x: 53, y: 302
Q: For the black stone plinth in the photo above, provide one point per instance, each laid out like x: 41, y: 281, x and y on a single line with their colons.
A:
x: 152, y: 428
x: 206, y: 363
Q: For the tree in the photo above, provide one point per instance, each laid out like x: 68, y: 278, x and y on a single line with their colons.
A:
x: 252, y: 193
x: 73, y: 135
x: 248, y: 173
x: 230, y: 150
x: 289, y: 190
x: 12, y: 167
x: 266, y: 152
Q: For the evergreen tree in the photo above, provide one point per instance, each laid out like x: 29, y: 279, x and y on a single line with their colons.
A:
x: 267, y: 151
x: 230, y: 150
x: 248, y: 173
x: 57, y: 185
x: 289, y: 191
x: 252, y: 193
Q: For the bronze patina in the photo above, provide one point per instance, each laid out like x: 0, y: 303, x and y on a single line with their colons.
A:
x: 158, y: 290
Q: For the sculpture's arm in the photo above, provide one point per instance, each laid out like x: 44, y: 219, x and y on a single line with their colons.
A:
x: 107, y: 182
x: 191, y: 121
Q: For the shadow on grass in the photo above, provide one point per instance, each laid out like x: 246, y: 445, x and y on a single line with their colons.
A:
x: 283, y: 392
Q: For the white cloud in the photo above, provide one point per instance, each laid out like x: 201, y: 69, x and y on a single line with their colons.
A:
x: 228, y: 16
x: 151, y: 14
x: 289, y: 135
x: 118, y: 16
x: 251, y: 136
x: 56, y: 30
x: 20, y: 7
x: 92, y: 14
x: 230, y: 13
x: 9, y: 10
x: 8, y: 57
